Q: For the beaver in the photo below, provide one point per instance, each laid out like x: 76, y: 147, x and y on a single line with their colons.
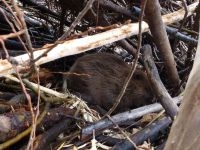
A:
x: 99, y: 78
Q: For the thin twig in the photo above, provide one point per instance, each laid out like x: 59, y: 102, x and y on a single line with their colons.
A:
x: 77, y: 20
x: 30, y: 49
x: 24, y: 133
x: 127, y: 137
x: 11, y: 35
x: 17, y: 22
x: 185, y: 15
x: 133, y: 67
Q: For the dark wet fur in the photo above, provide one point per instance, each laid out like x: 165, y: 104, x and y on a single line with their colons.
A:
x: 101, y: 77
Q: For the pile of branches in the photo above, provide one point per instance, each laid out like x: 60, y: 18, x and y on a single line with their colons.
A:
x: 37, y: 114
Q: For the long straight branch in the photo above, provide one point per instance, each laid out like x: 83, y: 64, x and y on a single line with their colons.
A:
x: 76, y: 46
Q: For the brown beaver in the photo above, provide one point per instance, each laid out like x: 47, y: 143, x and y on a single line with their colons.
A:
x: 98, y: 78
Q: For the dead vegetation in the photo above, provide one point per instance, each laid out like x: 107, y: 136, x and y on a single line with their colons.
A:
x: 40, y: 40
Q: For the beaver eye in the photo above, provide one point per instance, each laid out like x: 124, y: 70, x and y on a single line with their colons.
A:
x: 138, y: 77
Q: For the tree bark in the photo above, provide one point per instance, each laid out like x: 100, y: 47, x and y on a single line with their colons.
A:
x: 185, y: 132
x: 159, y: 33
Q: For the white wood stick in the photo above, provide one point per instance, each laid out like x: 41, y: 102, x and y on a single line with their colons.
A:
x: 80, y: 45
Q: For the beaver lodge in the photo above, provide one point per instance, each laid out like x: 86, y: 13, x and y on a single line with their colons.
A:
x: 99, y: 74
